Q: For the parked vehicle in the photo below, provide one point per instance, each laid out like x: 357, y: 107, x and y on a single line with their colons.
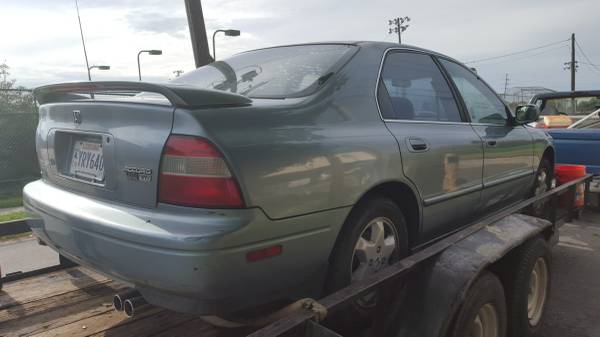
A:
x: 561, y: 109
x: 580, y: 144
x: 276, y: 173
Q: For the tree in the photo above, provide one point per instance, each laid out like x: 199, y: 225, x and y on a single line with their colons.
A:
x: 13, y: 98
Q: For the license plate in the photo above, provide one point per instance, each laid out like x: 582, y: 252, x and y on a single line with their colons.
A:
x: 87, y: 161
x: 595, y: 185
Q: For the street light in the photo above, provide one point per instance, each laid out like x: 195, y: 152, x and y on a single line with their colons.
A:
x: 150, y: 52
x: 228, y: 32
x: 96, y: 67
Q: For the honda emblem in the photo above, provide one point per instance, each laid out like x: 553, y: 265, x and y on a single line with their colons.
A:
x: 77, y: 116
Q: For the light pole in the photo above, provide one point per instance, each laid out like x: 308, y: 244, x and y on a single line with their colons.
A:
x: 96, y: 67
x: 150, y: 52
x: 398, y: 26
x: 228, y: 32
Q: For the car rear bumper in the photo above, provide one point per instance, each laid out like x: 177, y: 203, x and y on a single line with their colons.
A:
x: 189, y: 260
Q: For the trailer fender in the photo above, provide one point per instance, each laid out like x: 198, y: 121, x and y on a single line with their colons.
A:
x: 434, y: 291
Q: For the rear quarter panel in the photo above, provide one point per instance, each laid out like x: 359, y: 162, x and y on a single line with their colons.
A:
x: 305, y: 155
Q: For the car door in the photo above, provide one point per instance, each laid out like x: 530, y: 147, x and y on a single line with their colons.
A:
x: 441, y: 153
x: 508, y: 148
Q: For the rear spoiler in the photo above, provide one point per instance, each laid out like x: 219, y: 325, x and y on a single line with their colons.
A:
x: 179, y: 95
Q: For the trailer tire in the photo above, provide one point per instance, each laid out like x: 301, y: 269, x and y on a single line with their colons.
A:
x: 342, y: 257
x: 526, y: 318
x: 484, y: 308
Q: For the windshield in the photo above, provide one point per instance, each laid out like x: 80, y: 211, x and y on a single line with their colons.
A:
x: 280, y: 72
x: 568, y: 106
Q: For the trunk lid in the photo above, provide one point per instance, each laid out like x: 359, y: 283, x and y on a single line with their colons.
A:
x: 112, y: 151
x: 105, y: 139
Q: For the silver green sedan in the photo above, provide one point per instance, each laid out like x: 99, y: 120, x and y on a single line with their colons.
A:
x: 278, y: 173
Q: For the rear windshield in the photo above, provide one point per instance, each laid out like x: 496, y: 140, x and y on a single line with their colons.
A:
x: 280, y: 72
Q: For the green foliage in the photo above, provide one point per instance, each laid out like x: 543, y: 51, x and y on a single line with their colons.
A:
x: 18, y: 122
x: 11, y: 201
x: 12, y: 216
x: 14, y: 99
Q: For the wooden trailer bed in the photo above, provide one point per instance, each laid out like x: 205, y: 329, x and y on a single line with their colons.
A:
x: 78, y: 302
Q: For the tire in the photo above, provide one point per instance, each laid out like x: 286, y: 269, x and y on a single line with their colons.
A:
x: 484, y: 299
x: 342, y: 258
x: 518, y: 290
x: 541, y: 209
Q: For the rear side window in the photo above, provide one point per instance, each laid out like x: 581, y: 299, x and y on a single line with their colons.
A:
x: 412, y: 87
x: 483, y: 105
x: 280, y: 72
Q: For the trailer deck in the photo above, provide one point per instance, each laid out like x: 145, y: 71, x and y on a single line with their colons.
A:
x: 78, y: 302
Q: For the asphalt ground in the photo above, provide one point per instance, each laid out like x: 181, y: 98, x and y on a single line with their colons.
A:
x: 574, y: 306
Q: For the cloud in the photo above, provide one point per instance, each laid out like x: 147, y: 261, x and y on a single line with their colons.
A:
x: 115, y: 30
x: 155, y: 22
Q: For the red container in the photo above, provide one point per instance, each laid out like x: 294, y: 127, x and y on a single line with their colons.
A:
x: 566, y: 173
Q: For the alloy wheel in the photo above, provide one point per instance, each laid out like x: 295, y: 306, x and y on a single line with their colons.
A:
x: 541, y: 186
x: 373, y: 251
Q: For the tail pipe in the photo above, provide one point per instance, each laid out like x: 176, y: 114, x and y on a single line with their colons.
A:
x: 120, y: 298
x: 135, y: 305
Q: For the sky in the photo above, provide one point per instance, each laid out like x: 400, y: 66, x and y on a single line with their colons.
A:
x: 40, y: 40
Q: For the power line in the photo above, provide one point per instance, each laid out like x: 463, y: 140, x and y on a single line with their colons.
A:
x: 516, y: 53
x: 586, y: 57
x: 529, y: 56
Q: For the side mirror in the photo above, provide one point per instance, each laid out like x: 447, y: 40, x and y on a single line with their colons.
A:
x: 525, y: 114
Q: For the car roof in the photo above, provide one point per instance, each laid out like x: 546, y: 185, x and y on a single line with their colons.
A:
x: 566, y: 94
x: 366, y: 44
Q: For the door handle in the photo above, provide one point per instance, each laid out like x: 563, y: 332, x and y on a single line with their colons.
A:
x: 491, y: 143
x: 418, y: 144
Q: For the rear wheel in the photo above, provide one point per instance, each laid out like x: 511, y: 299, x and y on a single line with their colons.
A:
x: 483, y: 313
x: 373, y: 237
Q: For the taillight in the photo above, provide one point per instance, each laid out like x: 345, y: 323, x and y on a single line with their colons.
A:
x: 194, y: 173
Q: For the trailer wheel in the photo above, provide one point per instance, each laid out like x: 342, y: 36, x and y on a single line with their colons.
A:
x: 483, y: 312
x: 530, y: 289
x: 373, y: 237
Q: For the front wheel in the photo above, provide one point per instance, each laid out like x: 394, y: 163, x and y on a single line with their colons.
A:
x: 542, y: 184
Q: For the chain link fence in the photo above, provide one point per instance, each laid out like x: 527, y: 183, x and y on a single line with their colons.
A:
x: 18, y: 160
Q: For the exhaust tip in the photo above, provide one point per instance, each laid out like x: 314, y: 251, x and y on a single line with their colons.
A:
x: 128, y: 307
x: 134, y: 305
x: 120, y: 298
x: 118, y: 303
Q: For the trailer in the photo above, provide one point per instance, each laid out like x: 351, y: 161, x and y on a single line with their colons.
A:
x: 493, y: 274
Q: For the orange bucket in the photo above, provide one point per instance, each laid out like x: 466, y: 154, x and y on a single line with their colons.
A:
x: 565, y: 174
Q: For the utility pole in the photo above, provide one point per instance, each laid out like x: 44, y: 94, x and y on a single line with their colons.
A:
x: 573, y: 62
x: 505, y: 85
x: 198, y: 33
x: 397, y: 26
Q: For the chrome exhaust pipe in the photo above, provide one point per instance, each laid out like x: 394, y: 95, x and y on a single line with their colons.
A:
x: 120, y: 298
x: 135, y: 305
